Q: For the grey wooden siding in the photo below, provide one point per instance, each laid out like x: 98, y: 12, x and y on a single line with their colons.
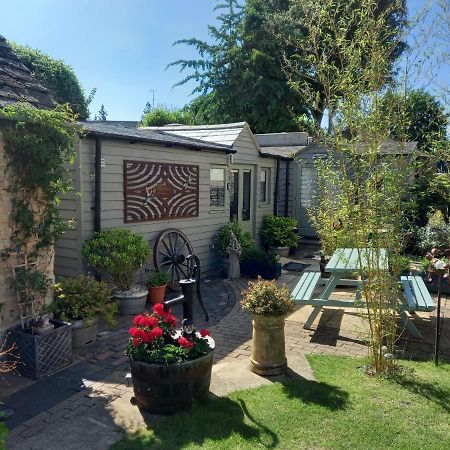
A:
x: 290, y: 184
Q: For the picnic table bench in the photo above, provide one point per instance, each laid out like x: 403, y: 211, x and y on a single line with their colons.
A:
x: 346, y: 261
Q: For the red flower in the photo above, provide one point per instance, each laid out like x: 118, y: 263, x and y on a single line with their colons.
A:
x: 133, y: 331
x: 170, y: 320
x: 136, y: 342
x: 137, y: 320
x: 204, y: 333
x: 157, y: 332
x: 159, y: 309
x: 149, y: 322
x: 147, y: 337
x: 185, y: 343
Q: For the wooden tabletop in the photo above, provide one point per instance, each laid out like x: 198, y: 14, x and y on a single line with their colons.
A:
x: 347, y: 260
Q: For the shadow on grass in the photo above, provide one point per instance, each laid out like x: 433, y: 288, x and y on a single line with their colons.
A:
x: 318, y: 393
x: 218, y: 419
x: 428, y: 390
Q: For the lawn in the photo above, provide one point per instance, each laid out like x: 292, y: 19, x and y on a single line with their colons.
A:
x: 344, y: 409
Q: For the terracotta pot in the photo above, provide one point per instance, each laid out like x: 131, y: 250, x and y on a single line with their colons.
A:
x: 268, y: 350
x: 156, y: 293
x: 167, y: 389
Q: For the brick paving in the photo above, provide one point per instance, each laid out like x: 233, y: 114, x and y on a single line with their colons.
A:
x: 91, y: 398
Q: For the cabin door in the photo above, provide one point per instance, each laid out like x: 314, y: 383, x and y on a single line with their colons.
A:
x: 242, y: 180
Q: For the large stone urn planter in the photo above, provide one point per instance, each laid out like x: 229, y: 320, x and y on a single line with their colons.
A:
x: 166, y: 389
x: 268, y: 355
x: 84, y: 332
x: 132, y: 301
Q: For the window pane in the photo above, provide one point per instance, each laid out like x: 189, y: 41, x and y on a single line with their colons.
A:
x: 217, y: 187
x: 246, y: 205
x: 263, y: 186
x: 234, y: 194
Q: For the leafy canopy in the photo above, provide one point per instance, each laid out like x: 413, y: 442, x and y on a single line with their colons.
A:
x: 164, y: 115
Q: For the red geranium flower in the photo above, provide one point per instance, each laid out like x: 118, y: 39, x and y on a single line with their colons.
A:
x: 159, y: 309
x: 170, y: 320
x: 136, y: 342
x: 149, y: 322
x: 132, y: 331
x: 137, y: 320
x: 204, y: 333
x: 157, y: 332
x: 185, y: 343
x: 147, y: 337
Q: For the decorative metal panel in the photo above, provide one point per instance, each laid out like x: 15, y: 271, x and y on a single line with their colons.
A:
x: 159, y: 191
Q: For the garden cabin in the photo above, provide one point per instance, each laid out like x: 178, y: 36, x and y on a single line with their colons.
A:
x: 194, y: 179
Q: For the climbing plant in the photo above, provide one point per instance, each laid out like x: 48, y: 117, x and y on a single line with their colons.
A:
x: 38, y: 145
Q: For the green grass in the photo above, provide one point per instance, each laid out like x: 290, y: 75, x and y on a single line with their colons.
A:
x: 2, y: 435
x: 344, y: 409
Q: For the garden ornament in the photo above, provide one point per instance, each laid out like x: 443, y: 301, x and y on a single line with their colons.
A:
x: 234, y: 251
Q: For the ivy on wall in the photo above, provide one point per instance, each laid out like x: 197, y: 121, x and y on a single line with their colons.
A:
x: 38, y: 146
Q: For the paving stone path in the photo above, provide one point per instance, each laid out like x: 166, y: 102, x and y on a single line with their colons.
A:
x: 88, y: 405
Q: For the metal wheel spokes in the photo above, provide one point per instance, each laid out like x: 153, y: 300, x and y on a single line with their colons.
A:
x: 169, y: 255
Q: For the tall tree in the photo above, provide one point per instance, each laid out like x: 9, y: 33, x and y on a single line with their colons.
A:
x: 58, y: 77
x: 102, y: 113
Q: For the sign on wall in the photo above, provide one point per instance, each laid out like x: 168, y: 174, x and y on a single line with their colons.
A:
x: 159, y: 191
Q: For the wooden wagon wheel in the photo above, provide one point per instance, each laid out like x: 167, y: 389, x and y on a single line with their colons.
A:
x: 169, y: 255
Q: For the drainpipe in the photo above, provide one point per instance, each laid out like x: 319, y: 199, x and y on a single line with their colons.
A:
x: 98, y: 185
x: 286, y: 191
x: 275, y: 200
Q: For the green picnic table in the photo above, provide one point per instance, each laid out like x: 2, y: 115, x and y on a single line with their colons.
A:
x: 346, y: 262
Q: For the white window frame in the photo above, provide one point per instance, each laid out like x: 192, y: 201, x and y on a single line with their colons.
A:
x: 215, y: 208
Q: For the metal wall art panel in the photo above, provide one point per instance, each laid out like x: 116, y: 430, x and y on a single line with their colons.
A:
x: 159, y: 191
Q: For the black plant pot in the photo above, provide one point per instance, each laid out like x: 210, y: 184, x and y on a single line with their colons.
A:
x: 433, y: 287
x: 253, y: 269
x: 42, y: 354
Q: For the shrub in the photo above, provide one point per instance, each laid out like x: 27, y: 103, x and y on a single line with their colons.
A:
x: 265, y: 298
x: 158, y: 278
x: 118, y: 253
x: 83, y: 298
x: 279, y: 231
x: 253, y: 253
x: 222, y: 239
x: 154, y: 341
x: 436, y: 234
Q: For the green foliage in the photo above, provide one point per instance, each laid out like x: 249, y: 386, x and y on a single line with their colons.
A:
x: 57, y: 76
x: 158, y: 278
x: 255, y: 254
x: 38, y: 144
x: 436, y: 234
x: 3, y: 433
x: 279, y: 231
x: 265, y: 298
x: 239, y: 73
x: 31, y: 284
x: 163, y: 115
x: 102, y: 113
x: 118, y: 253
x: 83, y: 298
x: 222, y: 240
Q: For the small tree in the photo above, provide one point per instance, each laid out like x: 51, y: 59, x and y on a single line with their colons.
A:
x: 164, y: 115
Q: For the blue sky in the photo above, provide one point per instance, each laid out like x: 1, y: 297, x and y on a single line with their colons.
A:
x: 120, y: 47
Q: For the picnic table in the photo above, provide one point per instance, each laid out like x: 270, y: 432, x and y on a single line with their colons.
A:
x: 346, y: 262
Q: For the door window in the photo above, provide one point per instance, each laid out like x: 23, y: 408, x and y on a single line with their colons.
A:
x: 234, y: 195
x: 247, y: 195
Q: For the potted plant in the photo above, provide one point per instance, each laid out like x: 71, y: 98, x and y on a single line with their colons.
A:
x: 222, y: 240
x: 256, y: 262
x: 120, y: 254
x: 279, y: 233
x: 269, y: 306
x: 42, y: 345
x: 80, y: 301
x: 168, y: 368
x: 156, y: 285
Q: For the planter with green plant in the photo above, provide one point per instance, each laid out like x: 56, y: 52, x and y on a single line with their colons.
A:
x: 269, y: 306
x: 156, y: 284
x: 222, y: 240
x: 256, y: 262
x: 119, y: 254
x: 80, y: 301
x: 279, y: 233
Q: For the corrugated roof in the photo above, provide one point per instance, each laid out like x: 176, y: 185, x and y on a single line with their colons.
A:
x: 225, y: 134
x: 294, y: 138
x: 158, y: 137
x: 17, y: 83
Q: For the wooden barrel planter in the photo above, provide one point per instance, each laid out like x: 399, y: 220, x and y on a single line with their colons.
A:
x: 166, y: 389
